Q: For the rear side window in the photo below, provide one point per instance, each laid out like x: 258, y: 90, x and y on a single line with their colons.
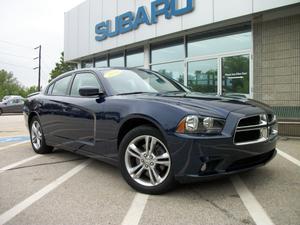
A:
x: 61, y: 86
x: 84, y: 80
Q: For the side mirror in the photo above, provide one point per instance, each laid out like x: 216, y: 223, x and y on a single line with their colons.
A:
x: 90, y: 91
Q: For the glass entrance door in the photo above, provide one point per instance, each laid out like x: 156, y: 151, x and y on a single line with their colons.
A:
x: 235, y: 75
x: 223, y: 75
x: 203, y: 76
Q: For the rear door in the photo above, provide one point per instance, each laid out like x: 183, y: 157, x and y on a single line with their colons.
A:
x: 54, y: 113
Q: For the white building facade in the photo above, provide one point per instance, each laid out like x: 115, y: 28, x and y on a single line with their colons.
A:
x: 226, y: 47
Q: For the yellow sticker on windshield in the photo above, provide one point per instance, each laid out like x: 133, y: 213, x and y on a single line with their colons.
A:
x: 112, y: 73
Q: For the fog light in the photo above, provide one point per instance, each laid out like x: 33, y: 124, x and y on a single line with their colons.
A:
x: 203, y: 167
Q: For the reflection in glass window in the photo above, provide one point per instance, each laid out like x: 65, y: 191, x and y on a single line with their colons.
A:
x: 235, y: 75
x: 172, y: 70
x: 100, y: 62
x: 235, y: 42
x: 83, y: 80
x: 116, y: 60
x: 203, y: 76
x: 135, y: 58
x: 87, y: 64
x: 169, y: 52
x: 61, y: 86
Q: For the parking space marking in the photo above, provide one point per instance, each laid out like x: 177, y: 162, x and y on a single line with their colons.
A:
x: 136, y: 209
x: 11, y: 213
x: 13, y: 145
x: 288, y: 157
x: 3, y: 169
x: 13, y: 139
x: 255, y: 210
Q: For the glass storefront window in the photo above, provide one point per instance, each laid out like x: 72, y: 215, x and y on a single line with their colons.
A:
x: 229, y: 43
x: 235, y: 75
x: 167, y: 52
x: 87, y: 64
x: 203, y: 76
x: 116, y: 60
x: 172, y: 70
x: 101, y: 62
x: 135, y: 58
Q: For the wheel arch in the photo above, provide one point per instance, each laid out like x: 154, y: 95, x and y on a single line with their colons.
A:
x: 134, y: 121
x: 30, y: 116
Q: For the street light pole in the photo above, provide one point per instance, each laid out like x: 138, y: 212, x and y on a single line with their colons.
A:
x: 39, y: 67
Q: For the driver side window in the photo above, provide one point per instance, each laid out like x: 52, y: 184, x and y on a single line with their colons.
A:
x: 82, y: 80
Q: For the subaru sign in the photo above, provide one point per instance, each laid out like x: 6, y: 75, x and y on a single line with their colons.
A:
x: 129, y: 21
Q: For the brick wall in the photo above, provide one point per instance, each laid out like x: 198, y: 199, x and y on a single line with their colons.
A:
x: 276, y: 61
x: 276, y: 69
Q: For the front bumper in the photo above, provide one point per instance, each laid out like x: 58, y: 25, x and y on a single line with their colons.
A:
x: 203, y: 159
x: 197, y: 158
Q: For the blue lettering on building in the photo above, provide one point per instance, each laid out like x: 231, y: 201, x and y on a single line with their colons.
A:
x: 129, y: 21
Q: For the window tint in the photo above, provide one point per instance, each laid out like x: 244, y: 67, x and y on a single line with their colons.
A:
x: 135, y: 58
x: 227, y: 43
x: 167, y: 52
x: 84, y: 80
x: 61, y: 86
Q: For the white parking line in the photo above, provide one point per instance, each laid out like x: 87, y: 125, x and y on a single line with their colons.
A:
x: 11, y: 213
x: 13, y: 145
x: 256, y: 211
x: 18, y: 163
x: 136, y: 209
x: 288, y: 157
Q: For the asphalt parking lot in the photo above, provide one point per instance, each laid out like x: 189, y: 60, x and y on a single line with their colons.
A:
x: 64, y: 188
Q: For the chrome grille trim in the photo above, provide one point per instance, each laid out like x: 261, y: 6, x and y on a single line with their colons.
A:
x: 265, y: 125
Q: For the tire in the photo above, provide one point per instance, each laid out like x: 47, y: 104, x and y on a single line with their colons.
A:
x: 37, y: 137
x: 1, y: 112
x: 151, y: 173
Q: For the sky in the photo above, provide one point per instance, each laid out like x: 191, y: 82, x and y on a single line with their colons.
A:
x: 25, y: 24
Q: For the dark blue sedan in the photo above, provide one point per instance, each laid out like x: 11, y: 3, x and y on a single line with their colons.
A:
x: 156, y: 130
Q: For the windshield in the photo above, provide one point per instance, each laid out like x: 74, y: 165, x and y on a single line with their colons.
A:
x: 140, y: 81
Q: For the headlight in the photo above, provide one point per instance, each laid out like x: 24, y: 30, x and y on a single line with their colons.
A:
x: 200, y: 125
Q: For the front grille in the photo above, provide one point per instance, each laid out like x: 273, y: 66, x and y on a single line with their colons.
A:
x: 248, y: 135
x: 254, y: 129
x: 253, y: 120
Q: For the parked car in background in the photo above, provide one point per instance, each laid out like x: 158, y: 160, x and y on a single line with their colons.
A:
x: 10, y: 96
x: 152, y: 127
x: 12, y: 104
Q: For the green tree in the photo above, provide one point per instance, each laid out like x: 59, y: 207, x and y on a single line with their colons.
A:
x: 9, y: 85
x: 61, y: 67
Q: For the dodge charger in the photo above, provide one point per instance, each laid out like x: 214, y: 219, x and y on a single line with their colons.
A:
x: 152, y: 127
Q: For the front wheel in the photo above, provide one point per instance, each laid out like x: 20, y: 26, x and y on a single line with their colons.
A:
x: 37, y: 137
x: 145, y: 161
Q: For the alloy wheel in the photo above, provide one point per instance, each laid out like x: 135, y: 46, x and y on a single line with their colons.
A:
x: 36, y: 134
x: 147, y: 160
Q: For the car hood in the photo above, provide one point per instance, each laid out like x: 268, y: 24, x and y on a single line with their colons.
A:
x: 207, y: 105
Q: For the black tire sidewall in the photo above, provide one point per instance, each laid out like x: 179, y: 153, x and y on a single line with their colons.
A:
x: 167, y: 184
x: 43, y: 148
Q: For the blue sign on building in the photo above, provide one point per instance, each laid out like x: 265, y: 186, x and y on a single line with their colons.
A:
x: 129, y: 21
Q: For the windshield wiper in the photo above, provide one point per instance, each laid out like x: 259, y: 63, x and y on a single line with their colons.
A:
x: 137, y: 92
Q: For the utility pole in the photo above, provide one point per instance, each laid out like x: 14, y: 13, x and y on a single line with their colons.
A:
x: 39, y: 67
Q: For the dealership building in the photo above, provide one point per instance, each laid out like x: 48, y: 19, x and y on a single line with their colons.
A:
x: 227, y: 47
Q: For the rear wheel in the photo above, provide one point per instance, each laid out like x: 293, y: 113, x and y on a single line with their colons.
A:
x: 145, y: 161
x: 37, y: 137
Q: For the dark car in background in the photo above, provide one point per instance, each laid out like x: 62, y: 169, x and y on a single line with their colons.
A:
x: 152, y: 127
x: 12, y: 104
